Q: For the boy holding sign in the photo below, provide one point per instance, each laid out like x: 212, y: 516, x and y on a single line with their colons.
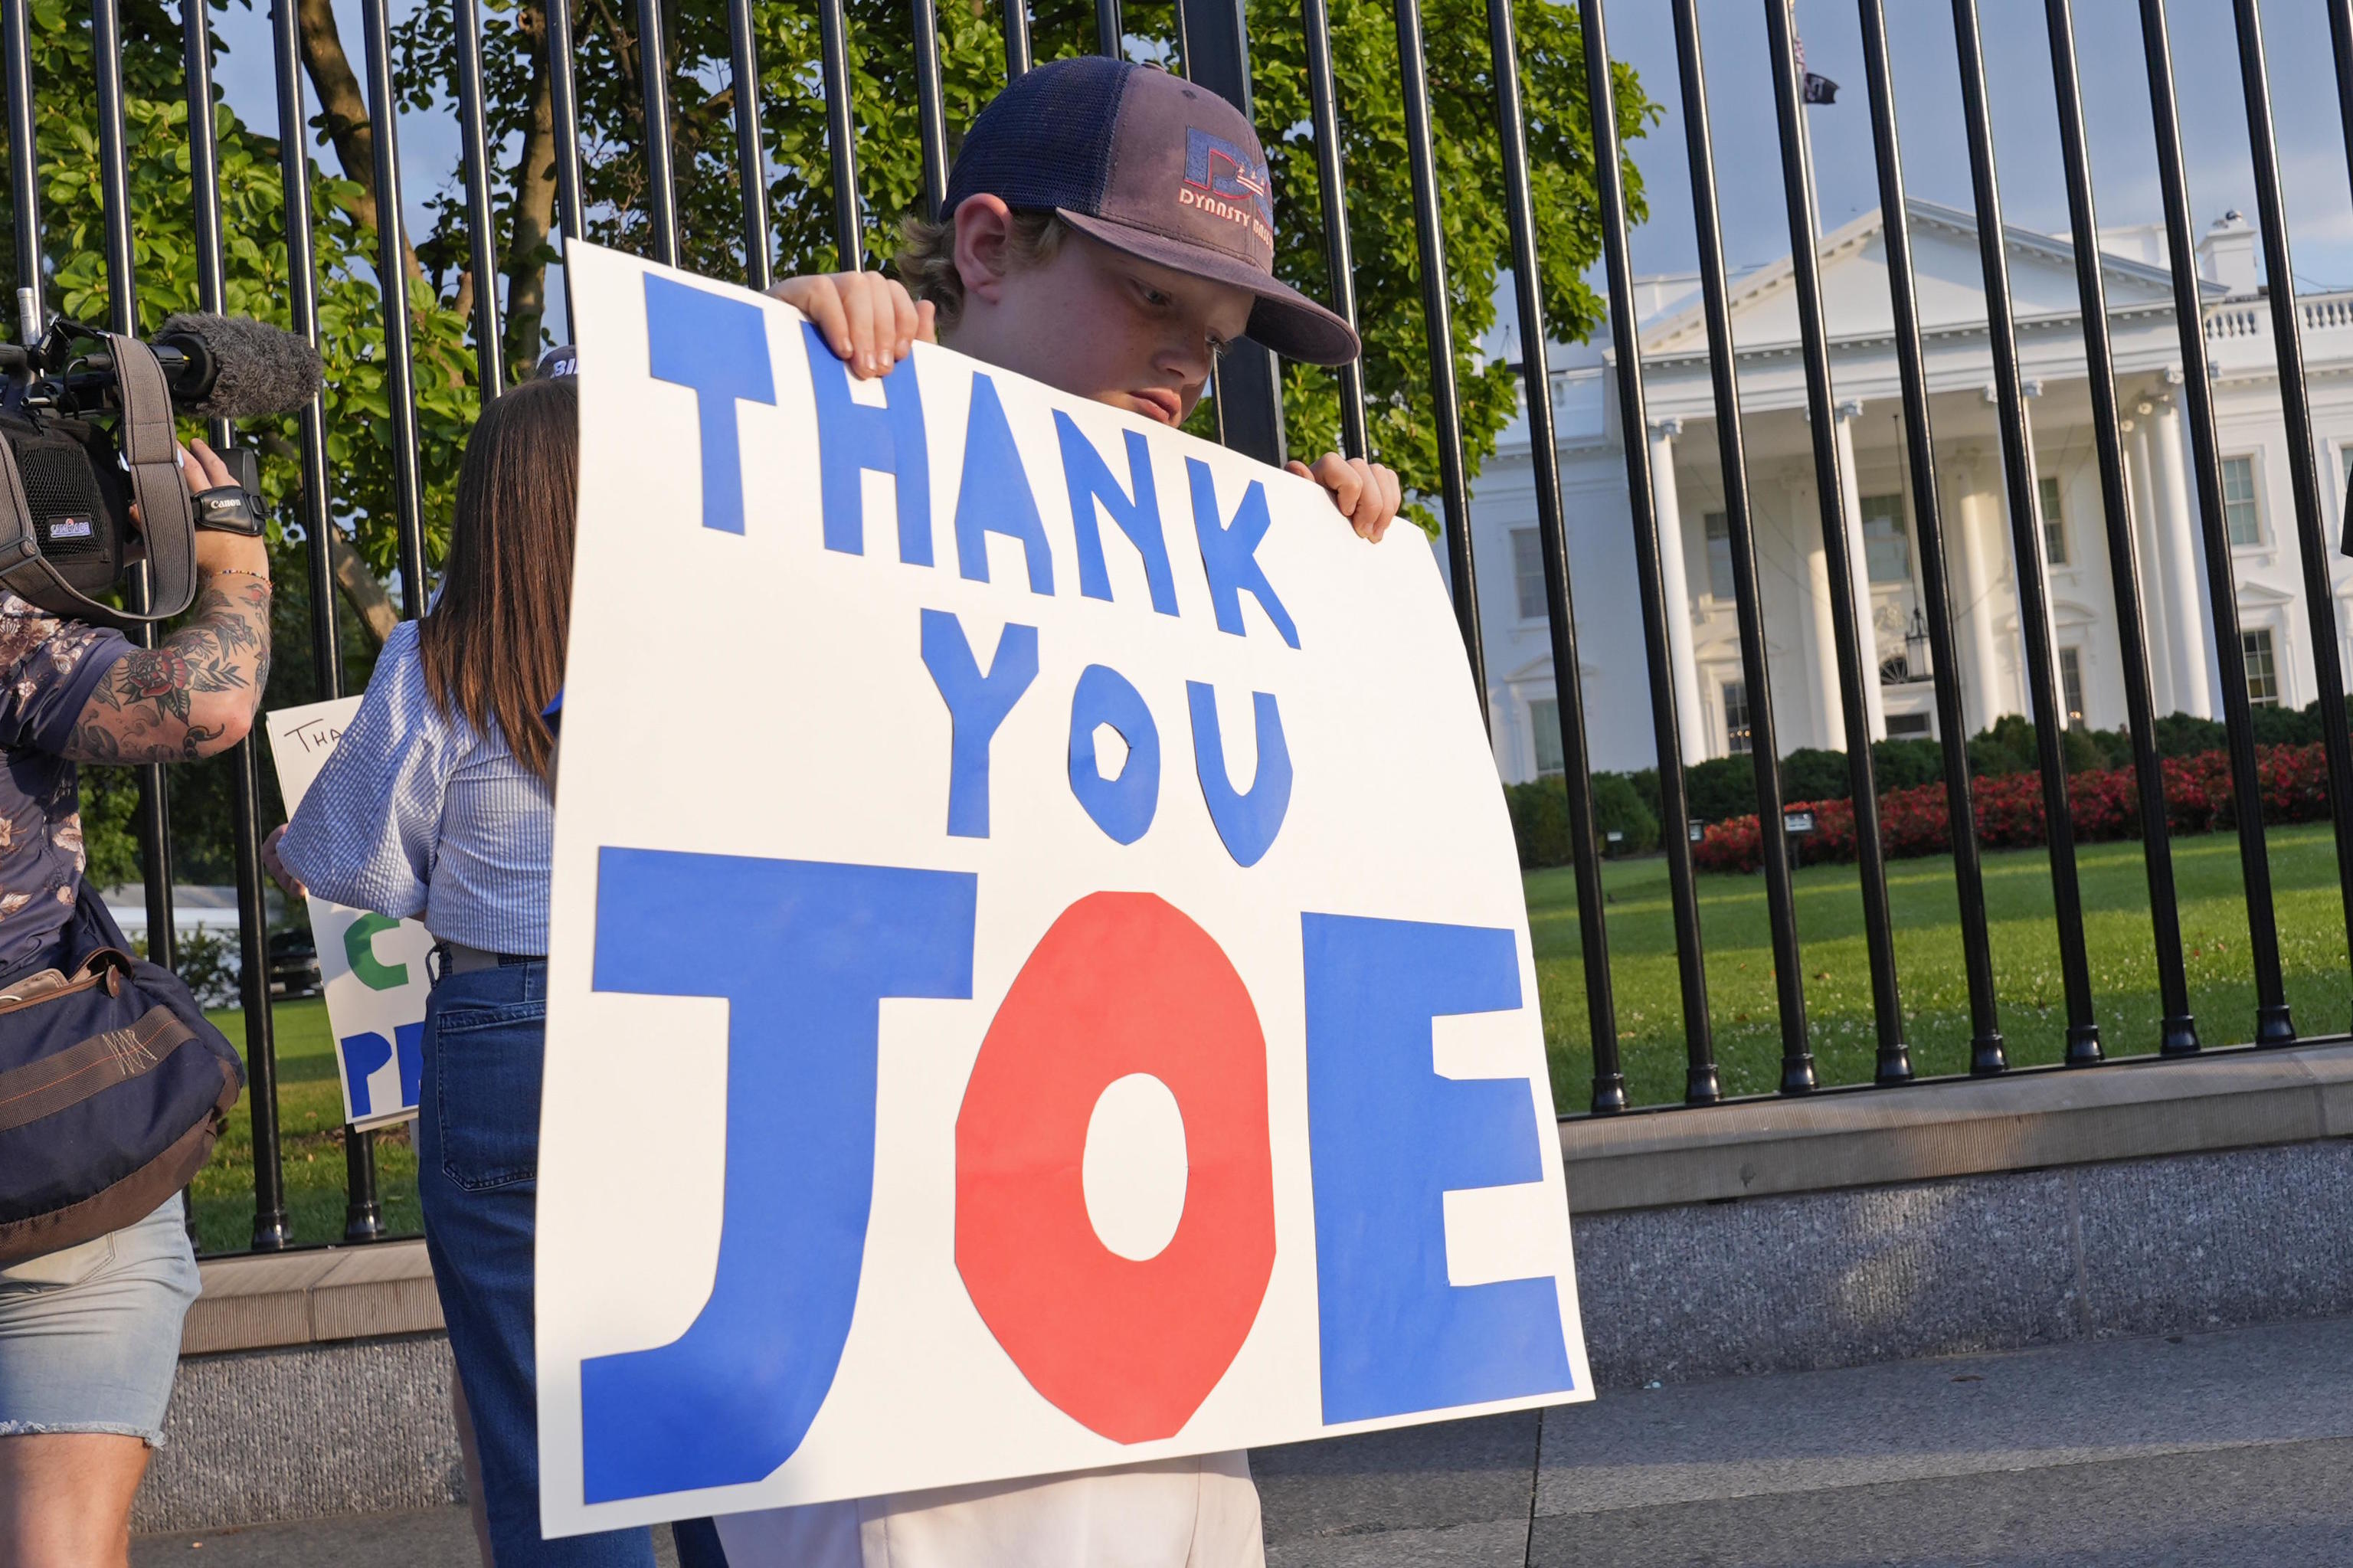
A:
x: 1108, y: 231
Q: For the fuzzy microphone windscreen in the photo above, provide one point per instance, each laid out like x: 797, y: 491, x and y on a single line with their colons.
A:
x: 244, y: 366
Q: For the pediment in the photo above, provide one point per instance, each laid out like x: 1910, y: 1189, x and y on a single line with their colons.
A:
x: 1947, y: 283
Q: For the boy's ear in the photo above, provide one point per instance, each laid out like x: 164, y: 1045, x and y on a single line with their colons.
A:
x: 984, y: 225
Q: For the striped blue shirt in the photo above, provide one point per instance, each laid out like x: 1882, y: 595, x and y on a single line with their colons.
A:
x: 417, y: 813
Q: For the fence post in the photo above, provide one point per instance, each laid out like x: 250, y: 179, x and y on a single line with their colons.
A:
x: 1250, y: 394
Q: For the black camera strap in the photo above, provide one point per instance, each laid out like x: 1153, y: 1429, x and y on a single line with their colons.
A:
x: 151, y: 451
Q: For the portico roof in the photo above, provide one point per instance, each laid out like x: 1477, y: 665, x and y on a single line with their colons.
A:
x: 1948, y: 284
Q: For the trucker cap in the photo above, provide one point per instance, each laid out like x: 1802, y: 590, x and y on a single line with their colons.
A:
x: 1152, y: 165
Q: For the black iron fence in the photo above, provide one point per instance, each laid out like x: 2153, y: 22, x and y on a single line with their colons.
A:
x: 1212, y: 45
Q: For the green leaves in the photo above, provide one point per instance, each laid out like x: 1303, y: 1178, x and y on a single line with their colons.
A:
x: 801, y: 201
x: 252, y: 204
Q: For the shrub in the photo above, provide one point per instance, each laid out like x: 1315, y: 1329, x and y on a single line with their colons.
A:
x: 2102, y: 804
x: 1720, y: 787
x: 1810, y: 773
x: 1906, y: 763
x: 2312, y: 713
x: 2081, y: 751
x: 2006, y: 748
x: 2181, y: 735
x: 2115, y: 745
x: 1539, y: 811
x: 208, y: 964
x: 1617, y: 806
x: 1540, y: 818
x: 1645, y: 782
x: 2284, y: 726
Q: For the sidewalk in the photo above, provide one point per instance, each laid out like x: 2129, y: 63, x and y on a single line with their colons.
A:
x: 2226, y: 1449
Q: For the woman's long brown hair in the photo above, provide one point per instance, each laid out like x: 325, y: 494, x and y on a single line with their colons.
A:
x: 494, y: 644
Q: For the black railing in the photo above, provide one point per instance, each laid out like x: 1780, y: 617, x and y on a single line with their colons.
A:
x: 1211, y: 40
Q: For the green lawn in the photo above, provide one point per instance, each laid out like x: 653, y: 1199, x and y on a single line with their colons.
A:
x: 1643, y: 963
x: 1928, y: 961
x: 310, y: 1139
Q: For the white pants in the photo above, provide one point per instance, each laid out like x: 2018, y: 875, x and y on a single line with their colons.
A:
x: 1175, y: 1513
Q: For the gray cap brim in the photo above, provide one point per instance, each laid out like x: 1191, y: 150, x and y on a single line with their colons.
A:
x: 1284, y: 320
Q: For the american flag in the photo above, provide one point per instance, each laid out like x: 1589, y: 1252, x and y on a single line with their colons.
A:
x: 1814, y: 88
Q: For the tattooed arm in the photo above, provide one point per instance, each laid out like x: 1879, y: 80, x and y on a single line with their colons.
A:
x: 193, y: 694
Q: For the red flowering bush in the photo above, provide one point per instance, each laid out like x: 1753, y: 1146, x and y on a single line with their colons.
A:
x: 2102, y: 804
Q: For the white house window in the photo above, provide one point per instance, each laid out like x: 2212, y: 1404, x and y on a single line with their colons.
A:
x: 1719, y: 556
x: 2054, y: 522
x: 1910, y: 726
x: 1736, y: 717
x: 2263, y: 669
x: 1527, y: 572
x: 2242, y: 514
x: 2071, y: 684
x: 1544, y: 723
x: 1886, y: 539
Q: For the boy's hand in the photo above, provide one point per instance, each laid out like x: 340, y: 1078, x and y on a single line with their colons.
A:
x: 866, y: 318
x: 1365, y: 492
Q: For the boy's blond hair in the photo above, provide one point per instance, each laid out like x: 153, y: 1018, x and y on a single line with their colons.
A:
x: 927, y: 256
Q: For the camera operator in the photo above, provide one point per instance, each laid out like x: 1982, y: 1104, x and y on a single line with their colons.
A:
x: 89, y: 1335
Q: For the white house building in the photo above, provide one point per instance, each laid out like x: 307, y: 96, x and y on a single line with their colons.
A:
x: 1695, y: 551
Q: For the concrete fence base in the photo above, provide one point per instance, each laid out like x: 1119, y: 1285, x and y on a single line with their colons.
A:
x: 319, y: 1383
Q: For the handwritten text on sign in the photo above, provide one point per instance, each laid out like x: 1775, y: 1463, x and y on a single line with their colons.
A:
x: 371, y: 966
x: 1037, y: 955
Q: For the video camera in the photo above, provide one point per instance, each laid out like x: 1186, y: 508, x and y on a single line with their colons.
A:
x: 86, y: 433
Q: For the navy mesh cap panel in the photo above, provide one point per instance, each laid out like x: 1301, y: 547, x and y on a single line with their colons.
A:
x: 1046, y: 140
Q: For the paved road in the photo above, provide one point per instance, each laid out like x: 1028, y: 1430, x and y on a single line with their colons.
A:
x: 2221, y: 1450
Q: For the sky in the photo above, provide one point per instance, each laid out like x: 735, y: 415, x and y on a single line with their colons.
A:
x: 2108, y: 43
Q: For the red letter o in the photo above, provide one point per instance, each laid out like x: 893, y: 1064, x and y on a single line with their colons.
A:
x: 1121, y: 983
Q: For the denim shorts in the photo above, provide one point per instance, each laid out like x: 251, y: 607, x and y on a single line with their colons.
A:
x: 89, y: 1336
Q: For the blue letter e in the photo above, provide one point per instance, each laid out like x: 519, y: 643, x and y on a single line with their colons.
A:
x: 803, y: 952
x: 718, y: 344
x: 1388, y: 1138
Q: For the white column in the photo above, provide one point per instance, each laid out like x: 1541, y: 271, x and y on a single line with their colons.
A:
x: 1830, y: 717
x: 2182, y: 568
x: 1860, y: 569
x: 2140, y: 507
x: 2058, y: 696
x: 1668, y: 506
x: 1980, y: 510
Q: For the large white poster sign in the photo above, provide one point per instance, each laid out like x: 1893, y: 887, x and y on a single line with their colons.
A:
x: 1038, y: 973
x: 370, y: 967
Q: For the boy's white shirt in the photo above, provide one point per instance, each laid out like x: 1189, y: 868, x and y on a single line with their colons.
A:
x: 1199, y: 1512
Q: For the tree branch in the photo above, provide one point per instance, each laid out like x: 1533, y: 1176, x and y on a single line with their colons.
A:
x: 361, y: 590
x: 533, y: 206
x: 343, y: 108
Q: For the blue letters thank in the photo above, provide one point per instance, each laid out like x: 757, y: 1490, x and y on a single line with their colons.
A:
x: 803, y: 952
x: 1230, y: 553
x: 994, y: 496
x: 854, y: 439
x: 719, y: 345
x: 1090, y: 480
x: 1388, y: 1139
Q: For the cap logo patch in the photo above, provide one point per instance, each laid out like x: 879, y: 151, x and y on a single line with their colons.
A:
x: 1228, y: 181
